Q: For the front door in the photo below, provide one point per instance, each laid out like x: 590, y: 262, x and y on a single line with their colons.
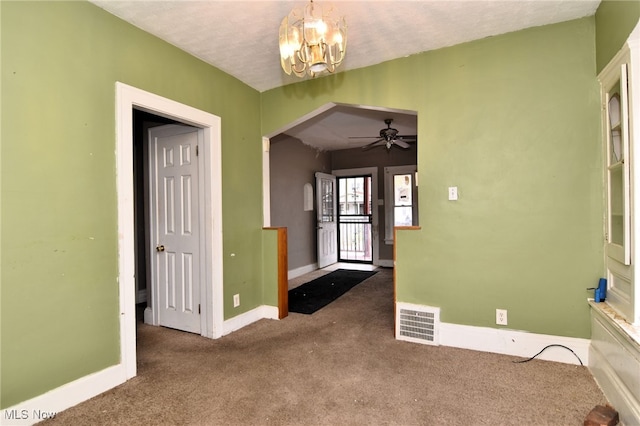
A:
x: 355, y: 219
x: 175, y: 226
x: 327, y: 222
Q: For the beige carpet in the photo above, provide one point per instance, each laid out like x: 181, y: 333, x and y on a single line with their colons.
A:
x: 339, y: 366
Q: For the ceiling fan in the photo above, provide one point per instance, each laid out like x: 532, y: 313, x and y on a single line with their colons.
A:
x: 388, y: 137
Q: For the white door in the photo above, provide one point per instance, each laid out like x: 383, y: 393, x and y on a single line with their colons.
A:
x: 175, y: 224
x: 327, y: 221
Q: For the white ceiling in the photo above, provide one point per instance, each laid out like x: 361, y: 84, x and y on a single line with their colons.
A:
x: 338, y: 126
x: 241, y: 38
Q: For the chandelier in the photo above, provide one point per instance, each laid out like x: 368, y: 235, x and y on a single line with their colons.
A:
x: 312, y: 40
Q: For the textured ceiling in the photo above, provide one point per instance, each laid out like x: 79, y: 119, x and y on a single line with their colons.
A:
x: 241, y: 38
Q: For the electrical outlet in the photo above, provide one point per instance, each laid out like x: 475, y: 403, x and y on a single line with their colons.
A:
x: 236, y: 300
x: 501, y: 316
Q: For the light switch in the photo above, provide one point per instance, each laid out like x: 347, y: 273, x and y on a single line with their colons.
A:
x: 453, y: 193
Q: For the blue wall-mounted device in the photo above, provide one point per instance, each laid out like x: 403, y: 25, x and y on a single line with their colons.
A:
x: 600, y: 292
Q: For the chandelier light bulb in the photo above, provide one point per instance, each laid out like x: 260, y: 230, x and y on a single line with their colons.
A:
x: 312, y: 40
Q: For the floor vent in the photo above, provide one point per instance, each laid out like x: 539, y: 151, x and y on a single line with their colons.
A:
x: 417, y: 323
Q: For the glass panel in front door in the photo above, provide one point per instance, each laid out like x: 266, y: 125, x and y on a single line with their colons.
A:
x: 326, y: 209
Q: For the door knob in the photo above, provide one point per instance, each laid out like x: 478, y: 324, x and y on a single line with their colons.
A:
x: 160, y: 248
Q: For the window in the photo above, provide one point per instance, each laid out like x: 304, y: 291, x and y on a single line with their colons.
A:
x: 617, y: 139
x: 400, y: 198
x: 326, y: 201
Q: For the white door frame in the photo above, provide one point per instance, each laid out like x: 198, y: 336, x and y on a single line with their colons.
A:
x: 210, y: 163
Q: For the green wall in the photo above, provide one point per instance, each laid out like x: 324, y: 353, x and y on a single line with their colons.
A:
x: 513, y: 121
x: 614, y: 22
x: 59, y: 304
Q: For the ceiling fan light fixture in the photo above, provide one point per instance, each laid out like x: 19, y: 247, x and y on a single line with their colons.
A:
x: 388, y: 137
x: 312, y: 40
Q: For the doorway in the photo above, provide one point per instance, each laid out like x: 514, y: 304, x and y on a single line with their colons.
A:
x: 128, y: 99
x: 355, y: 218
x: 359, y: 230
x: 293, y: 154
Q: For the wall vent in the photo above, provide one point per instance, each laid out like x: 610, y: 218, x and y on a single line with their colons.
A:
x: 417, y: 323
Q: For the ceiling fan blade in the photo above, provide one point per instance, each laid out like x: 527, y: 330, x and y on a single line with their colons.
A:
x: 363, y: 137
x: 401, y: 143
x: 373, y: 144
x: 408, y: 138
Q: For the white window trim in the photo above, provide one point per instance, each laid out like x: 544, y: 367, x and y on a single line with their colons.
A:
x: 633, y: 45
x: 623, y: 294
x: 389, y: 221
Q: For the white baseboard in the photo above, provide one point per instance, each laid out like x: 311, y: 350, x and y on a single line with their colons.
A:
x: 516, y: 343
x: 243, y: 320
x: 510, y: 342
x: 148, y: 316
x: 385, y: 263
x: 295, y: 273
x: 66, y: 396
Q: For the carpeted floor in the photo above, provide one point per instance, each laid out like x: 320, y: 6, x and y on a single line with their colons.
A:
x: 340, y: 366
